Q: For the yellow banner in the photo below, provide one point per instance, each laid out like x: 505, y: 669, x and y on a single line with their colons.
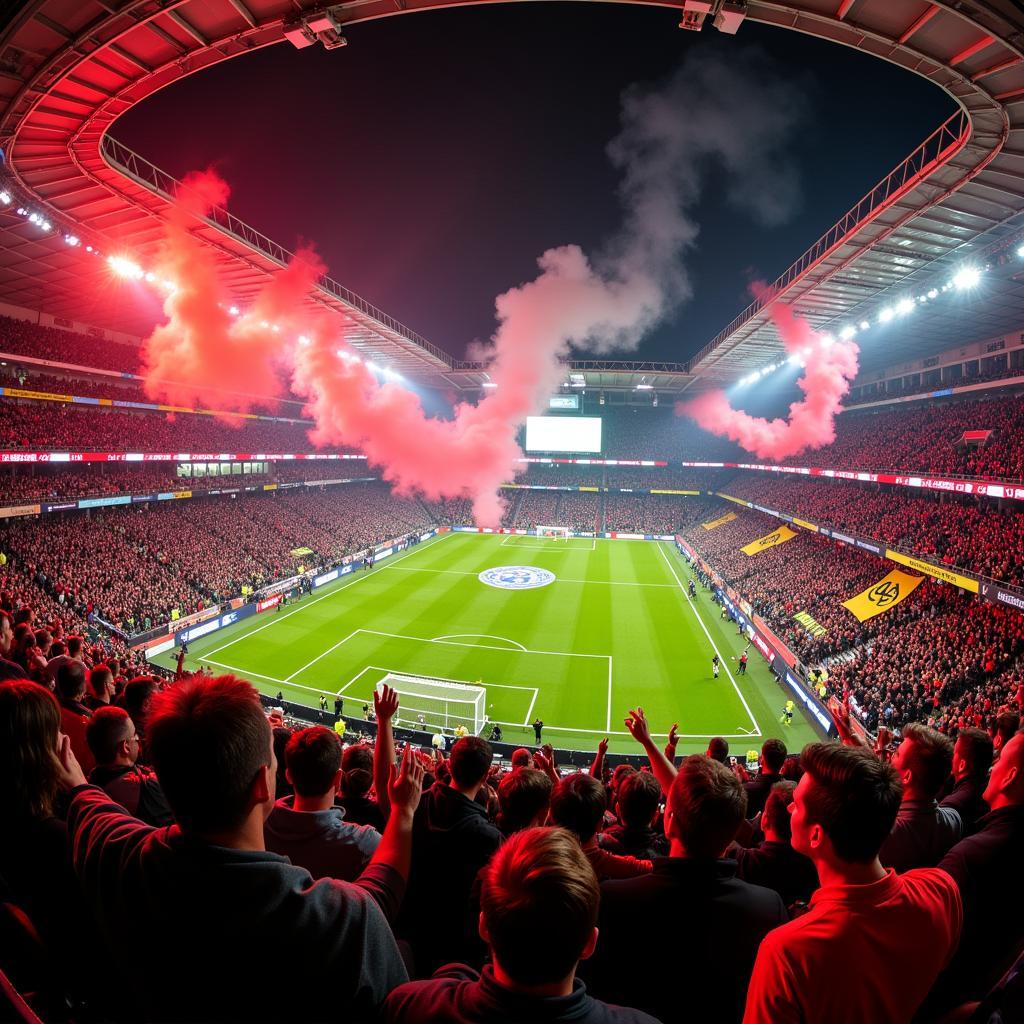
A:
x: 721, y: 521
x: 937, y: 572
x: 39, y: 396
x: 806, y: 525
x: 885, y: 594
x: 662, y: 491
x: 779, y: 536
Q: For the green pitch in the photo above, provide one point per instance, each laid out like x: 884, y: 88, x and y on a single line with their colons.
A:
x: 615, y: 629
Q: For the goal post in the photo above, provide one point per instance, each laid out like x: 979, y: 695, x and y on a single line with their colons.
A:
x: 553, y: 532
x: 430, y: 703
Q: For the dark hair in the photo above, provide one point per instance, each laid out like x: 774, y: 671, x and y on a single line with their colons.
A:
x: 313, y: 757
x: 208, y: 737
x: 638, y: 799
x: 74, y: 645
x: 774, y: 753
x: 931, y: 756
x: 70, y: 680
x: 620, y: 774
x: 539, y: 897
x: 107, y: 728
x: 977, y: 750
x: 136, y: 698
x: 578, y: 804
x: 358, y: 756
x: 470, y: 761
x: 718, y: 749
x: 99, y: 677
x: 29, y: 723
x: 520, y: 758
x: 708, y: 803
x: 776, y: 809
x: 854, y: 797
x: 522, y: 795
x: 1007, y: 724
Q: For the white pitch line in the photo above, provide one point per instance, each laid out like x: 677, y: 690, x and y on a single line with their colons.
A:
x: 557, y: 579
x: 608, y: 718
x: 624, y: 732
x: 302, y: 605
x: 322, y: 654
x: 488, y: 636
x: 258, y: 675
x: 488, y: 647
x: 529, y: 711
x: 689, y: 604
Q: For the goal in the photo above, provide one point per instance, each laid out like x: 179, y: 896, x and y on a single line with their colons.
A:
x: 429, y: 703
x: 554, y: 532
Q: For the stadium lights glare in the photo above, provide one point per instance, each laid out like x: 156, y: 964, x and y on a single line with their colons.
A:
x: 904, y: 306
x: 933, y: 293
x: 303, y: 340
x: 865, y: 324
x: 72, y: 240
x: 1020, y: 251
x: 124, y: 267
x: 5, y: 198
x: 644, y: 387
x: 847, y: 332
x: 967, y: 277
x: 489, y: 384
x: 885, y: 315
x: 233, y: 310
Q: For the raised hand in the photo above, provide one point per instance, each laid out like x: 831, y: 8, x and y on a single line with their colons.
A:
x: 636, y: 723
x: 69, y: 772
x: 405, y: 784
x: 385, y: 704
x: 602, y: 746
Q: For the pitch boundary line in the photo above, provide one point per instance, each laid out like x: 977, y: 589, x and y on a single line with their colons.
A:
x: 547, y: 547
x: 488, y: 636
x: 714, y: 647
x: 557, y: 579
x: 316, y: 600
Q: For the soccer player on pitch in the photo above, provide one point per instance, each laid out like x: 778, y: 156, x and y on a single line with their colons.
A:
x: 714, y: 665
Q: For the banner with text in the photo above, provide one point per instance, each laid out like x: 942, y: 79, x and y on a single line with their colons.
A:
x: 771, y: 540
x: 721, y: 521
x: 937, y: 572
x: 885, y: 594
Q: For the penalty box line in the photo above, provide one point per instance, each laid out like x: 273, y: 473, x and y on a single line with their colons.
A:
x: 454, y: 643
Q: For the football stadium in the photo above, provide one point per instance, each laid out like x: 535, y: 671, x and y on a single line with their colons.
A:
x: 480, y: 480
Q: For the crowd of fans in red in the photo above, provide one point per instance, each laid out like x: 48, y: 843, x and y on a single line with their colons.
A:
x: 845, y: 884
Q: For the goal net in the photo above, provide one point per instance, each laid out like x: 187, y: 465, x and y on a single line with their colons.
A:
x: 430, y: 704
x: 554, y: 532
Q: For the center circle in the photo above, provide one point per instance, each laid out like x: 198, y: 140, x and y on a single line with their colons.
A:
x: 516, y: 577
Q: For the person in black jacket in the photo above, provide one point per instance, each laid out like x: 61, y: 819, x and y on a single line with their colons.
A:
x: 452, y: 840
x: 775, y: 864
x: 538, y: 911
x: 773, y: 757
x: 705, y: 924
x: 207, y: 886
x: 114, y: 742
x: 972, y: 758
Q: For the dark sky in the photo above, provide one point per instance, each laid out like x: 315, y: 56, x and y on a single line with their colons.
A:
x: 433, y: 159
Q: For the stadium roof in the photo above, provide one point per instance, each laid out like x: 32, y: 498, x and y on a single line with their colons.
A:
x: 69, y: 68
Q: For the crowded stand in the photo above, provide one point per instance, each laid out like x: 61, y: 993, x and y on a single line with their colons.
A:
x: 879, y: 390
x: 968, y: 534
x: 548, y: 877
x: 24, y: 338
x: 44, y: 425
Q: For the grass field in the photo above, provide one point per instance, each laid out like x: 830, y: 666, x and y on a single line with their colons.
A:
x: 615, y: 629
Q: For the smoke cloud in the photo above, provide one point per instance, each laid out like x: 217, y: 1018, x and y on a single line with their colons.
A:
x: 830, y: 366
x: 726, y: 121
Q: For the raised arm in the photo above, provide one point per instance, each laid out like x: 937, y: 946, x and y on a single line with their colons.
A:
x: 385, y: 704
x: 597, y: 768
x: 664, y: 770
x: 671, y: 743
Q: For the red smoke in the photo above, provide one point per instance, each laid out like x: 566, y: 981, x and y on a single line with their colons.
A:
x: 811, y: 422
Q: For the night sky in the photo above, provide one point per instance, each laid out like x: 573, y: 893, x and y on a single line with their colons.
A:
x: 433, y: 159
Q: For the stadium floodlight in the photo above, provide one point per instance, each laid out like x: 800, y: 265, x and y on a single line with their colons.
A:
x: 847, y: 332
x: 933, y: 293
x: 1020, y: 251
x: 5, y: 197
x: 124, y: 267
x: 967, y: 277
x: 865, y: 324
x: 644, y: 387
x: 72, y: 240
x: 885, y: 315
x: 233, y: 310
x: 303, y: 340
x: 489, y: 384
x: 904, y: 306
x: 150, y: 277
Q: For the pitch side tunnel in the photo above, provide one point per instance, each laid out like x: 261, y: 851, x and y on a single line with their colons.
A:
x: 70, y: 68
